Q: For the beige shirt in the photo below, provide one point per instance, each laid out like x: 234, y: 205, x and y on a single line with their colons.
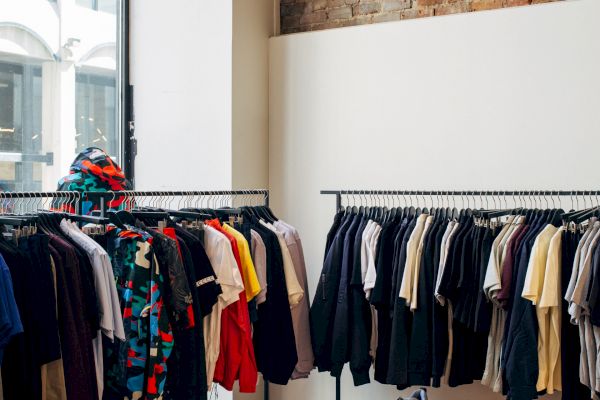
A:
x: 258, y: 250
x: 295, y: 291
x: 371, y: 257
x: 550, y: 309
x: 417, y: 265
x: 364, y: 243
x: 219, y: 252
x: 300, y: 313
x: 532, y: 291
x: 411, y: 259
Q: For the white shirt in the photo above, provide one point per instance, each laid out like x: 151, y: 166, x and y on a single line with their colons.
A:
x: 219, y: 252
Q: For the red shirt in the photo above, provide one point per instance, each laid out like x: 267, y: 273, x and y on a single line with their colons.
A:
x: 236, y: 356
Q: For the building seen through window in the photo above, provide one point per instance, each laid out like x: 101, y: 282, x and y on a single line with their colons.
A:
x: 59, y: 90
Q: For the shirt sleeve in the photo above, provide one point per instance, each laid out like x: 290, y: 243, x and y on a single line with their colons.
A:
x: 223, y: 261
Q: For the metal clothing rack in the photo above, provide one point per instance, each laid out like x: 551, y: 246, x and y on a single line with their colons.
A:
x: 78, y: 198
x: 454, y: 193
x: 449, y: 193
x: 103, y: 196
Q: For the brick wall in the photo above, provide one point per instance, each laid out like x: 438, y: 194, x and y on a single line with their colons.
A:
x: 312, y: 15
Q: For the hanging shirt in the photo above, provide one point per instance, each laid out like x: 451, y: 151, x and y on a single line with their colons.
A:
x: 236, y: 357
x: 371, y: 275
x: 550, y: 308
x: 300, y: 313
x: 149, y: 336
x: 411, y: 260
x: 103, y: 292
x: 295, y: 291
x: 10, y: 321
x: 532, y: 291
x: 251, y: 284
x: 218, y: 249
x: 258, y: 251
x: 417, y: 265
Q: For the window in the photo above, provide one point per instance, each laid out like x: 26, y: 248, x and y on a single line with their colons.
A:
x: 60, y: 87
x: 109, y: 6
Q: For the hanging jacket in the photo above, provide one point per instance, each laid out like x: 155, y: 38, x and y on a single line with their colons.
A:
x: 93, y: 171
x: 322, y: 312
x: 360, y: 318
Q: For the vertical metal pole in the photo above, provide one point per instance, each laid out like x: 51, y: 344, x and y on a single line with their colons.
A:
x: 266, y: 389
x: 338, y: 207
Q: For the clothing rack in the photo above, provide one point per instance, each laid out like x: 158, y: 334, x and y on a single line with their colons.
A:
x: 450, y: 193
x: 455, y: 193
x: 77, y: 197
x: 253, y: 192
x: 172, y: 193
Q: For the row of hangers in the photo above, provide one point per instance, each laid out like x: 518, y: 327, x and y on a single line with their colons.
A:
x: 48, y: 209
x: 534, y: 207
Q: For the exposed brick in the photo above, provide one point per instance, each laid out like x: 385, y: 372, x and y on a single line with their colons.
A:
x: 512, y: 3
x: 292, y: 21
x: 387, y: 17
x: 319, y: 5
x: 314, y: 17
x: 361, y: 20
x: 340, y: 13
x: 417, y: 13
x: 430, y: 2
x: 446, y: 9
x: 305, y: 15
x: 479, y: 5
x: 292, y: 9
x: 366, y: 8
x: 395, y: 5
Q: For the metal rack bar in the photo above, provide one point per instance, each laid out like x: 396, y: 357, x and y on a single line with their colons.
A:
x: 467, y: 192
x: 136, y: 193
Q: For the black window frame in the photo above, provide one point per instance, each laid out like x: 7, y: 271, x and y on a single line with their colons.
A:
x: 128, y: 140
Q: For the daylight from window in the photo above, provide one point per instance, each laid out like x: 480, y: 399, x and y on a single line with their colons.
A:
x: 58, y: 87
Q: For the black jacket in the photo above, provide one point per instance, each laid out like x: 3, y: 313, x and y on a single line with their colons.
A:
x: 520, y: 362
x: 273, y: 336
x: 322, y: 311
x: 340, y: 339
x: 360, y: 318
x: 380, y: 298
x: 397, y: 368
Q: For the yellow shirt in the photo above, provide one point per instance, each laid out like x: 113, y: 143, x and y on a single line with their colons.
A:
x: 534, y: 284
x: 251, y: 284
x: 550, y: 305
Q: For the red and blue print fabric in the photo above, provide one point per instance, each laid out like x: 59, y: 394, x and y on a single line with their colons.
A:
x: 138, y: 367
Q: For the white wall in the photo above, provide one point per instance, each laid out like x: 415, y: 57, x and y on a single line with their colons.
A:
x: 506, y: 99
x: 252, y: 28
x: 181, y: 70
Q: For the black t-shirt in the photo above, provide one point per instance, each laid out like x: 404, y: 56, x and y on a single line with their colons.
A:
x: 205, y: 284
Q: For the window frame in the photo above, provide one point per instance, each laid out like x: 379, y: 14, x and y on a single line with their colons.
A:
x: 128, y: 140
